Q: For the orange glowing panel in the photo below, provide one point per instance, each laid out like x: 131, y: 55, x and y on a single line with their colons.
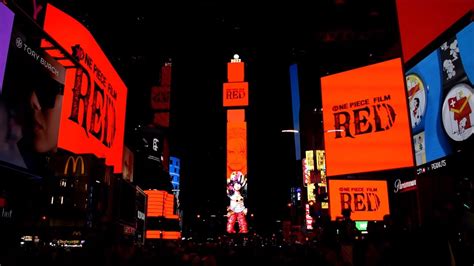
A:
x: 160, y: 203
x: 93, y: 111
x: 367, y: 199
x: 155, y: 205
x: 236, y: 115
x: 365, y: 120
x: 171, y: 235
x: 236, y: 94
x: 235, y: 72
x: 159, y: 234
x: 422, y: 21
x: 236, y: 147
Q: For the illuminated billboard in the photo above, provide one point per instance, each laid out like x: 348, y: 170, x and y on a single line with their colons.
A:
x: 236, y: 94
x: 31, y: 97
x: 128, y: 164
x: 6, y: 20
x: 366, y: 119
x: 160, y: 204
x: 161, y: 98
x: 422, y: 21
x: 295, y: 107
x: 236, y: 148
x: 367, y: 199
x: 93, y: 113
x: 320, y: 160
x: 440, y: 89
x: 235, y: 71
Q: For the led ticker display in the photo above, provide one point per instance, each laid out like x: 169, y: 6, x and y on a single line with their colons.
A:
x: 440, y: 90
x: 93, y: 114
x: 367, y: 199
x: 366, y: 120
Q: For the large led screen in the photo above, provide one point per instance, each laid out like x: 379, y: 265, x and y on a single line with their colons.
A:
x: 236, y: 142
x: 6, y: 20
x: 93, y: 114
x: 31, y: 96
x: 367, y: 199
x: 422, y: 21
x: 366, y: 121
x: 440, y: 90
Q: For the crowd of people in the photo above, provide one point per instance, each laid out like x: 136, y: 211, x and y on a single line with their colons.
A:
x: 334, y: 243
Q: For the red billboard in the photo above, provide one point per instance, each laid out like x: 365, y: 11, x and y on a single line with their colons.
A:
x: 93, y: 111
x: 367, y: 199
x: 235, y: 94
x: 422, y: 21
x: 366, y: 120
x: 236, y: 148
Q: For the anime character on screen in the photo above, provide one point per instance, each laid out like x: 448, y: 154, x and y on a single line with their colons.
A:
x: 236, y: 210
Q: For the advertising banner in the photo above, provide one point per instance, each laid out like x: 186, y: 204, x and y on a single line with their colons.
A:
x: 31, y: 97
x: 93, y: 114
x: 6, y: 20
x: 236, y: 94
x: 366, y: 121
x: 128, y: 164
x: 440, y: 90
x: 367, y: 199
x: 236, y: 148
x: 422, y: 21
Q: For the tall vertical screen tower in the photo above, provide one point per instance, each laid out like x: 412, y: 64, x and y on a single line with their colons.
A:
x: 235, y: 99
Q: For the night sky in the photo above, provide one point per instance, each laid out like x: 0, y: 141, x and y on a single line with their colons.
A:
x: 201, y: 37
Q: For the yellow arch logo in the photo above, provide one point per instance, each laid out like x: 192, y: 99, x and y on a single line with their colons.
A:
x: 75, y: 162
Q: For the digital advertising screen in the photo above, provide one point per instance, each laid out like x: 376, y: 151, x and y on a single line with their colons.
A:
x: 366, y: 124
x: 235, y: 94
x: 31, y: 96
x: 236, y: 142
x: 94, y: 103
x: 422, y: 21
x: 361, y: 225
x: 367, y: 199
x: 128, y: 164
x: 6, y: 20
x: 440, y: 90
